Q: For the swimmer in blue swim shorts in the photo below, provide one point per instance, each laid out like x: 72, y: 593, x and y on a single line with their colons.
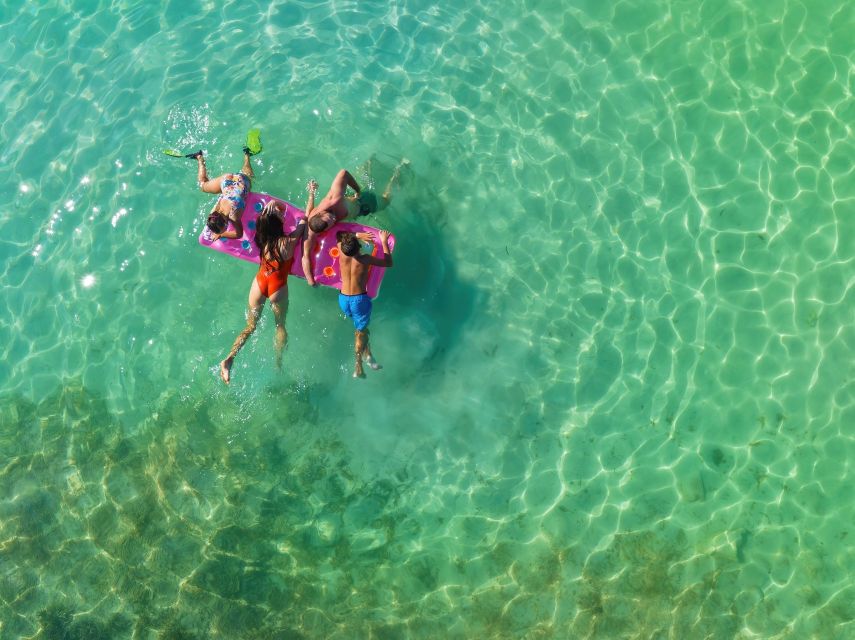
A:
x: 233, y: 189
x: 353, y: 300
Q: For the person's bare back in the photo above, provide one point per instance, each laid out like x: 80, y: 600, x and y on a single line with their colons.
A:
x: 353, y: 300
x: 354, y: 270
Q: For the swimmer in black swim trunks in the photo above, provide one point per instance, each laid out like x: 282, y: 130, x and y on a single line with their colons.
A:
x: 336, y: 206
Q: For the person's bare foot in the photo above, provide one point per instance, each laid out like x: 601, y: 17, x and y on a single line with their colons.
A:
x: 359, y: 373
x: 373, y: 363
x: 226, y: 369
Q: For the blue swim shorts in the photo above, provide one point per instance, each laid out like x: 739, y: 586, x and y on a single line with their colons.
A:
x: 357, y: 307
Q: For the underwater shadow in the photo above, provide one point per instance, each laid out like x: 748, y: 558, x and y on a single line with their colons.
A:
x: 428, y: 301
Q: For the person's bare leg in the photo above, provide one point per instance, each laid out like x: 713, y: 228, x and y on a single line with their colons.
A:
x: 243, y: 336
x: 359, y: 344
x: 256, y: 304
x: 280, y: 309
x: 396, y: 175
x: 247, y: 166
x: 201, y: 170
x: 369, y: 357
x: 209, y: 186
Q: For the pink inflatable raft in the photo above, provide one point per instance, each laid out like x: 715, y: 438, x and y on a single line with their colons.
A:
x: 325, y: 259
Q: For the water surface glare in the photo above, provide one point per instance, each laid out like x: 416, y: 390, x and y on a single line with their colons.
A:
x: 618, y: 394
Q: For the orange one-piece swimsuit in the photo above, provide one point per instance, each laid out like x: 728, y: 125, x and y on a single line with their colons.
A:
x: 272, y: 276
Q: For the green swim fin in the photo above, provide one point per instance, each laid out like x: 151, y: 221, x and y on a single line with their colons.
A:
x: 253, y: 142
x: 178, y: 154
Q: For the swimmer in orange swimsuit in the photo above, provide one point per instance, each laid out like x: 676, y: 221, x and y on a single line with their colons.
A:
x: 271, y: 282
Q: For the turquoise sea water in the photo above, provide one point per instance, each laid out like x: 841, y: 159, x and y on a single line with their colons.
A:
x: 618, y: 397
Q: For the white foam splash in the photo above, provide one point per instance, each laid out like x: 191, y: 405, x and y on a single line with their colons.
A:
x: 121, y: 213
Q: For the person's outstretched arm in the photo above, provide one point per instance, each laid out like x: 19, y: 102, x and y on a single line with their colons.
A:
x: 343, y: 179
x: 234, y: 233
x: 351, y: 182
x: 312, y: 188
x: 386, y: 260
x: 308, y: 245
x: 309, y: 241
x: 299, y: 230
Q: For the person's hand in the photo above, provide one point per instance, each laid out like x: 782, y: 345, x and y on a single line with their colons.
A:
x: 365, y: 237
x: 384, y: 236
x: 215, y: 237
x: 312, y: 186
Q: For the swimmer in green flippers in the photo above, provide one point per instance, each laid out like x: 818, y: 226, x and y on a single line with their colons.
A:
x: 253, y: 142
x: 232, y: 187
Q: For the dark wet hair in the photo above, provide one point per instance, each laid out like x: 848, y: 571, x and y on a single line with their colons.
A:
x: 349, y: 244
x: 318, y: 225
x: 268, y: 232
x: 217, y: 222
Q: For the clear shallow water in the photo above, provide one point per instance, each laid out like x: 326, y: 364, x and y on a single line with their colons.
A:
x: 617, y: 399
